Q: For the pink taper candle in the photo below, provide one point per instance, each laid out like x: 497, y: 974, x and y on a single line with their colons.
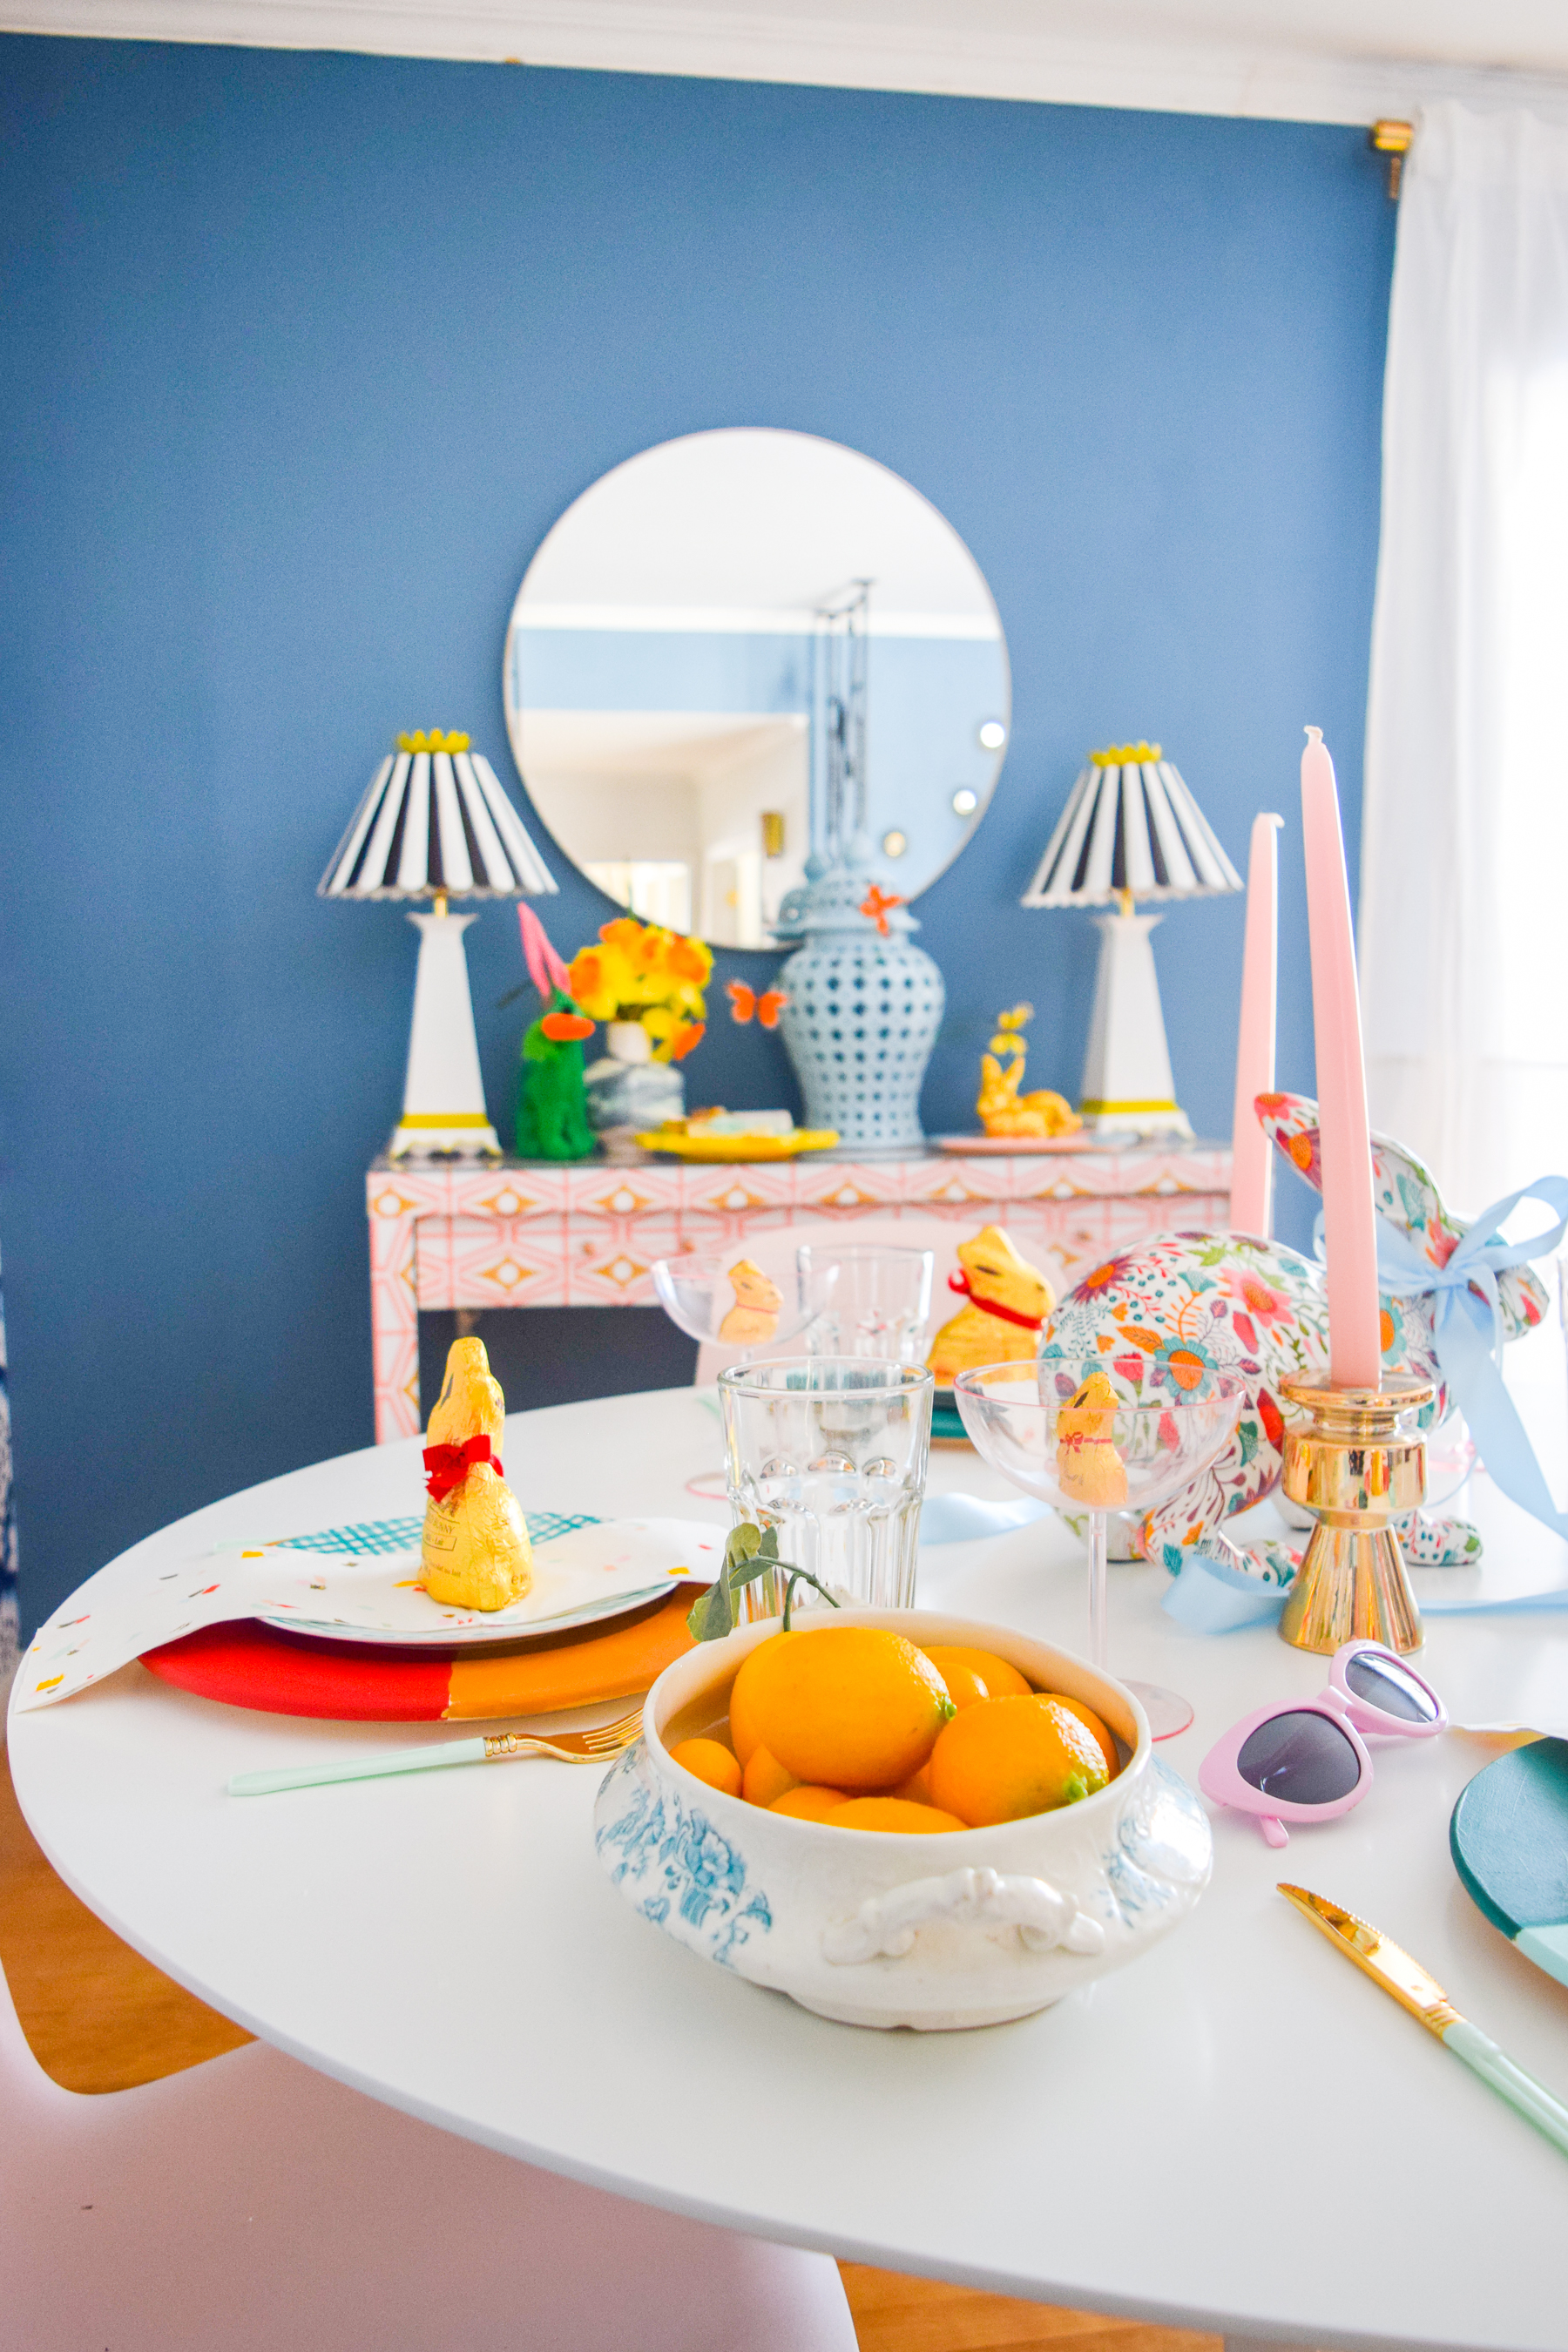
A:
x: 1355, y: 1353
x: 1252, y: 1154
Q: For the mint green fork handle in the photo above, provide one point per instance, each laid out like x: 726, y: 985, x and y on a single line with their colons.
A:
x: 1520, y: 2090
x: 360, y: 1768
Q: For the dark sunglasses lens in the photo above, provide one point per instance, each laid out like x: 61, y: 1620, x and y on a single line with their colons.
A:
x: 1301, y: 1759
x: 1384, y: 1682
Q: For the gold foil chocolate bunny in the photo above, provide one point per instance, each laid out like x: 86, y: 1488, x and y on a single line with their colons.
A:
x: 755, y: 1316
x: 1008, y: 1301
x: 476, y: 1554
x: 1089, y: 1466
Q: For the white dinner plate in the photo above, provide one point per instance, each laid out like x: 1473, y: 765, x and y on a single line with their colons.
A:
x: 361, y: 1583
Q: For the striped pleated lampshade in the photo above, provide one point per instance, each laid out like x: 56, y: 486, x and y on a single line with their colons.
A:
x: 1131, y: 825
x: 434, y: 821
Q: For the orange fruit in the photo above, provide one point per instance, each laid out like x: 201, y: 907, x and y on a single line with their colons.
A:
x: 892, y: 1813
x: 1004, y: 1758
x: 916, y: 1789
x: 744, y: 1733
x: 977, y: 1674
x: 1086, y: 1715
x: 711, y: 1763
x: 809, y: 1804
x: 845, y: 1706
x: 765, y: 1779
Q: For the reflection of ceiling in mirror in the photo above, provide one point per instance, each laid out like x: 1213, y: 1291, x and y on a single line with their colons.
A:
x: 804, y: 519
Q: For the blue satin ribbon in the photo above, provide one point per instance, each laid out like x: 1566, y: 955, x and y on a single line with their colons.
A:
x: 1209, y: 1598
x: 962, y: 1518
x: 1468, y: 1331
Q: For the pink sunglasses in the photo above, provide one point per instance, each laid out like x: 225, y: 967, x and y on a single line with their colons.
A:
x: 1307, y: 1761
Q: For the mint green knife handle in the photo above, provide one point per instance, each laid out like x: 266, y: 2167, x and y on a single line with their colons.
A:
x: 1510, y: 2082
x: 362, y: 1767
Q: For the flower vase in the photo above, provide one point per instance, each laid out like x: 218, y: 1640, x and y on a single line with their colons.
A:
x: 865, y: 1005
x: 630, y: 1092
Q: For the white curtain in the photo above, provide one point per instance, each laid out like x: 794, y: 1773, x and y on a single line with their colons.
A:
x: 1464, y: 906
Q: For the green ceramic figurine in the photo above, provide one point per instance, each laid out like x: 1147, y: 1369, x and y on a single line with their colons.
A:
x: 552, y: 1105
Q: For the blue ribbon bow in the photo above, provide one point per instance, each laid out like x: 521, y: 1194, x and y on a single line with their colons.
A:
x: 1467, y: 1330
x: 1207, y: 1597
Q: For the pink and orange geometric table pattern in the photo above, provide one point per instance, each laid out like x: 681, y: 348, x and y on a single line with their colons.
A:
x: 523, y: 1233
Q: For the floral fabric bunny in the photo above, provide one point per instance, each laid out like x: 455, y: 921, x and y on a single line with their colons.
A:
x: 1187, y: 1305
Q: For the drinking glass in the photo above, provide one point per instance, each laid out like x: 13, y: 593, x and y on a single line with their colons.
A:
x: 832, y: 1451
x: 867, y: 1300
x: 1117, y: 1462
x: 699, y: 1296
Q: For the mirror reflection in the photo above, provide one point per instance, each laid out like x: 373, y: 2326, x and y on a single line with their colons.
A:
x: 740, y: 644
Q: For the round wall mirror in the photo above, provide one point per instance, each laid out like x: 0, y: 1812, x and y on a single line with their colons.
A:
x: 742, y: 643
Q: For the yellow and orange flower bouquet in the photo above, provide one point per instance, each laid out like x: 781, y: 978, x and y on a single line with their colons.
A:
x: 641, y: 973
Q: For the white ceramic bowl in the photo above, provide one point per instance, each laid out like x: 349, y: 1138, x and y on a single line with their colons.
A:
x: 966, y: 1928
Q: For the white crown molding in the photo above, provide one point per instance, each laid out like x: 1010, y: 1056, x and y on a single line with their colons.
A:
x: 968, y: 59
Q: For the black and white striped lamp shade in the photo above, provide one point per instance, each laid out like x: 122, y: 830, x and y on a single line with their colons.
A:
x: 1131, y: 824
x: 435, y: 819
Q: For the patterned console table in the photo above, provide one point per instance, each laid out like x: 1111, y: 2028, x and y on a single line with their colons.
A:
x: 533, y: 1234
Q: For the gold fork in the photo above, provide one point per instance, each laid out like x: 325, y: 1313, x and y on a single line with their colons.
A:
x: 596, y: 1746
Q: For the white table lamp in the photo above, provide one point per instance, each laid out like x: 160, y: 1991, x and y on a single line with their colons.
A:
x: 1130, y: 830
x: 436, y: 824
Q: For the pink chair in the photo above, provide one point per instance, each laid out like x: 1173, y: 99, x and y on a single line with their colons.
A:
x: 251, y: 2204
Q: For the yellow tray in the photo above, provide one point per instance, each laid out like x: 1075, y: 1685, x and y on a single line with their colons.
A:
x: 712, y: 1148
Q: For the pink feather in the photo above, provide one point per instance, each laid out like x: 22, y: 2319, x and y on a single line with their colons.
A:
x: 545, y: 968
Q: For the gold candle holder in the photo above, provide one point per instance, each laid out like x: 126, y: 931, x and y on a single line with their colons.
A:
x: 1354, y: 1469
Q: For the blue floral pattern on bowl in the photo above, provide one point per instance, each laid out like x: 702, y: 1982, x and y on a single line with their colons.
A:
x: 684, y: 1875
x: 1163, y: 1844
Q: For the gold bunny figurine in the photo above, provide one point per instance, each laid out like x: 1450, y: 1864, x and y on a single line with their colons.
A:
x: 1008, y: 1299
x: 476, y: 1554
x: 1000, y: 1107
x: 755, y: 1313
x: 1088, y: 1463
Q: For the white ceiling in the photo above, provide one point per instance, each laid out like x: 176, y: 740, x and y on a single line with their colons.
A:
x: 1314, y: 60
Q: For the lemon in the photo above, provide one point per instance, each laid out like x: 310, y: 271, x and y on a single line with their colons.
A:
x: 977, y: 1674
x: 845, y: 1706
x: 892, y: 1813
x: 709, y: 1762
x: 765, y: 1778
x: 1004, y: 1758
x: 1087, y: 1715
x: 807, y: 1804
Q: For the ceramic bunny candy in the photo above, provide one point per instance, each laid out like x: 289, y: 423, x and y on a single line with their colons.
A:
x: 1180, y: 1307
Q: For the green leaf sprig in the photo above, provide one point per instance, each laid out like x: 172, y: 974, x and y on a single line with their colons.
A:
x: 749, y: 1553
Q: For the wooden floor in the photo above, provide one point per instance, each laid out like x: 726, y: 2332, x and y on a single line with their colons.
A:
x: 100, y: 2018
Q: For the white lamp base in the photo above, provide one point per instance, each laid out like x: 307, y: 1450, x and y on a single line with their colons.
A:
x: 1127, y: 1082
x: 443, y: 1095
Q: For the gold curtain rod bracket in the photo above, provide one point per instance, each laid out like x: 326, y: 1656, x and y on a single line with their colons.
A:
x: 1392, y: 139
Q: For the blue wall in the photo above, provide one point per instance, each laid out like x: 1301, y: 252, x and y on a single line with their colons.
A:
x: 302, y: 356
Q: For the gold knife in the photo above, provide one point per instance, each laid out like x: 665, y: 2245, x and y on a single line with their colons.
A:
x: 1422, y: 1996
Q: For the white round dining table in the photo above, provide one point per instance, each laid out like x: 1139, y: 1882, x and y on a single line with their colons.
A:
x: 1237, y: 2132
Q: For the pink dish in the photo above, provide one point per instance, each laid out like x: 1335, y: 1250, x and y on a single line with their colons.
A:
x: 978, y: 1145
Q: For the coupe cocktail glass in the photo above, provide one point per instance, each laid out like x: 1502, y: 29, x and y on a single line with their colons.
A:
x: 1117, y: 1457
x: 702, y: 1295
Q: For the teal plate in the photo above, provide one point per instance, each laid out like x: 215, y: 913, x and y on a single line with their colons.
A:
x: 1508, y: 1838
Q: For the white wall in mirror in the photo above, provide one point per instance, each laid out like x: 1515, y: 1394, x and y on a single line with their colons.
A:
x: 663, y: 675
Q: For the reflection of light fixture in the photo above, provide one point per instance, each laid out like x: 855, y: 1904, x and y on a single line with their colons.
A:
x: 773, y: 832
x: 992, y: 735
x: 1130, y: 830
x: 894, y: 844
x: 436, y: 824
x: 964, y: 801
